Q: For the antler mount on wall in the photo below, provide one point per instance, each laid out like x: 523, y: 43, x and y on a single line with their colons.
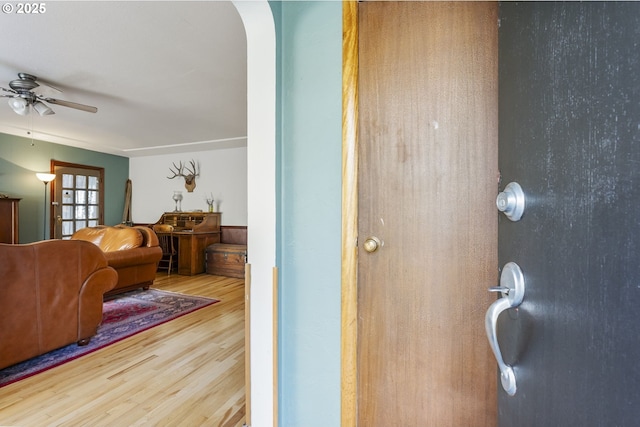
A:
x: 190, y: 177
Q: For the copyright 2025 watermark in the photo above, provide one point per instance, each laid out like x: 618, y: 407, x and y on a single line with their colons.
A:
x: 24, y: 8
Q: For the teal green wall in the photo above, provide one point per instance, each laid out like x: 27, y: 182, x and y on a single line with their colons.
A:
x: 309, y: 140
x: 21, y: 158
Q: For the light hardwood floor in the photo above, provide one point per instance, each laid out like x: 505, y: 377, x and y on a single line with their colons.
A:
x: 186, y: 372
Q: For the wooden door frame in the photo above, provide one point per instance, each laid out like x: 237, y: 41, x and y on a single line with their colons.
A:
x: 349, y: 298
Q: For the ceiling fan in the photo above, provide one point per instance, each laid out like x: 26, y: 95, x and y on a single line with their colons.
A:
x: 22, y: 97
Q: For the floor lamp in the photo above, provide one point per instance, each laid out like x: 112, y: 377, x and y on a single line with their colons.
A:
x: 45, y: 178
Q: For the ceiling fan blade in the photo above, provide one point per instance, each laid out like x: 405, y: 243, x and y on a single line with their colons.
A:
x: 49, y: 85
x: 69, y: 104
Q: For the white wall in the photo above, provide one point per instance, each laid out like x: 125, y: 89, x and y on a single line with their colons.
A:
x: 223, y: 173
x: 261, y: 158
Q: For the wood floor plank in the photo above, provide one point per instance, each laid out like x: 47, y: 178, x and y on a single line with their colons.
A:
x: 189, y: 371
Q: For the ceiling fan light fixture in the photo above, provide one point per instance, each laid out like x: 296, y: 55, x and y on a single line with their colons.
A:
x: 19, y: 105
x: 23, y: 97
x: 42, y: 109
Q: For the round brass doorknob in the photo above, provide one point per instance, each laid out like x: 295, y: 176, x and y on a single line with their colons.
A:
x: 372, y: 244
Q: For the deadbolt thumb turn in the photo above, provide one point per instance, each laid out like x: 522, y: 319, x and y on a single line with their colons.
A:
x: 511, y: 201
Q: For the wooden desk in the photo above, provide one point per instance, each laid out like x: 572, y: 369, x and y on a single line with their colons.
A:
x: 192, y: 246
x: 193, y: 231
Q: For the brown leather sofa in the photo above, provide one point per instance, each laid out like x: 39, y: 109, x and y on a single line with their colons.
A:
x: 51, y: 296
x: 133, y: 252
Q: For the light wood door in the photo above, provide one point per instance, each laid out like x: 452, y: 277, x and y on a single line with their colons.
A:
x: 427, y: 184
x: 78, y: 198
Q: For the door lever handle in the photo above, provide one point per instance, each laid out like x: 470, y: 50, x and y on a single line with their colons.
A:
x: 512, y: 288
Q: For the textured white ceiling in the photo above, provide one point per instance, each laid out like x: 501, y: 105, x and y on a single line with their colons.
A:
x: 166, y: 76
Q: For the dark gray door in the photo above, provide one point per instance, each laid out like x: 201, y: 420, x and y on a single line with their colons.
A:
x: 569, y: 134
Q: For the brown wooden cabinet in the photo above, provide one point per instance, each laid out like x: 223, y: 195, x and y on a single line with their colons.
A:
x: 9, y: 220
x: 194, y: 232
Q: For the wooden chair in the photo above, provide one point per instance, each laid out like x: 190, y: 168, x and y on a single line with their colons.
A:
x: 165, y: 237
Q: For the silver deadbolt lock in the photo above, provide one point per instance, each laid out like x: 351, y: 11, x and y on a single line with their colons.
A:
x: 511, y: 201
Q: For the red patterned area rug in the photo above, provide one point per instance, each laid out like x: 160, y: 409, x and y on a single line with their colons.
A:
x: 123, y: 315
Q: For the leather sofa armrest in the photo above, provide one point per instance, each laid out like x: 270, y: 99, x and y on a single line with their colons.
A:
x: 149, y: 237
x: 90, y: 300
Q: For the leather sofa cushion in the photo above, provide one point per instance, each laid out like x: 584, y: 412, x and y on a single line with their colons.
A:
x: 118, y: 239
x: 110, y: 239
